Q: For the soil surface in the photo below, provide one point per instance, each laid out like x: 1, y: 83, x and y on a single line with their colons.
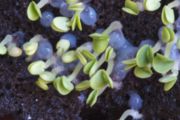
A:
x: 20, y: 99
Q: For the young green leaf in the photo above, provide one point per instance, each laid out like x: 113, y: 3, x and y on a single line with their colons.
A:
x: 167, y: 78
x: 33, y: 11
x: 78, y: 7
x: 167, y: 15
x: 63, y: 44
x: 69, y: 57
x: 30, y: 48
x: 100, y: 42
x: 144, y: 56
x: 131, y: 7
x: 169, y: 85
x: 108, y: 53
x: 42, y: 84
x: 100, y: 79
x: 152, y: 5
x: 92, y: 98
x: 37, y: 67
x: 60, y: 24
x: 3, y: 49
x: 14, y: 51
x: 167, y: 35
x: 48, y: 76
x: 90, y: 68
x: 63, y: 85
x: 81, y: 57
x: 88, y: 54
x: 143, y: 73
x: 76, y: 21
x: 162, y: 64
x: 83, y: 85
x: 129, y: 64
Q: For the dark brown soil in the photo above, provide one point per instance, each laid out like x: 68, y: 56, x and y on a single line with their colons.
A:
x: 20, y: 99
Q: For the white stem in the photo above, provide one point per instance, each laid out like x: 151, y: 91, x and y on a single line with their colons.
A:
x: 168, y: 49
x: 174, y: 4
x: 75, y: 72
x: 130, y: 112
x: 36, y: 38
x: 57, y: 70
x: 11, y: 45
x: 157, y: 46
x: 7, y: 39
x: 116, y: 25
x: 50, y: 61
x: 110, y: 66
x: 140, y: 5
x: 42, y: 3
x: 175, y: 69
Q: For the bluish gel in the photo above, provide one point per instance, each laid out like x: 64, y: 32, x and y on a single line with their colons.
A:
x: 82, y: 97
x: 99, y: 30
x: 18, y: 38
x: 160, y: 33
x: 56, y: 3
x: 175, y: 53
x: 135, y: 101
x: 45, y: 50
x: 177, y: 24
x: 117, y: 40
x: 127, y: 51
x: 147, y: 42
x: 89, y: 16
x: 46, y: 18
x: 72, y: 39
x: 124, y: 51
x: 64, y: 10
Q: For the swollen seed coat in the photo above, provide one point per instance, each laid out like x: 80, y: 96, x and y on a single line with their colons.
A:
x: 72, y: 39
x: 18, y: 38
x: 56, y: 3
x: 135, y: 101
x: 89, y: 16
x: 45, y: 50
x: 117, y: 40
x: 64, y: 10
x: 177, y: 24
x: 46, y: 18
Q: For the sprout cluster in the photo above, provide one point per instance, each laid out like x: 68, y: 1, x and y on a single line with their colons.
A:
x: 71, y: 14
x: 105, y: 60
x: 163, y: 57
x: 88, y: 58
x: 135, y: 7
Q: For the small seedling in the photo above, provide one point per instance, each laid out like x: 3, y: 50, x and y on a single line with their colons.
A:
x: 152, y: 5
x: 131, y: 112
x: 167, y: 15
x: 61, y: 24
x: 167, y: 35
x: 31, y: 47
x: 134, y: 8
x: 38, y: 67
x: 131, y: 7
x: 7, y: 45
x: 64, y: 84
x: 101, y: 40
x: 34, y: 9
x: 77, y: 7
